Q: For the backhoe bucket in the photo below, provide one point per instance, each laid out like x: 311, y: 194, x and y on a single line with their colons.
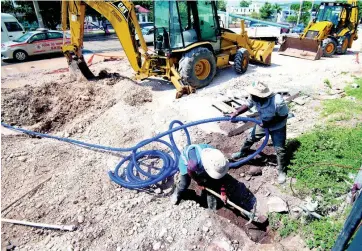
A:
x: 301, y: 48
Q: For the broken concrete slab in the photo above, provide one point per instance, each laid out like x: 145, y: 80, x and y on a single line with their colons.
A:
x: 300, y: 101
x: 276, y: 204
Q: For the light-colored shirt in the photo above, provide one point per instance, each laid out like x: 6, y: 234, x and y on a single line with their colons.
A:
x: 185, y: 156
x: 274, y: 106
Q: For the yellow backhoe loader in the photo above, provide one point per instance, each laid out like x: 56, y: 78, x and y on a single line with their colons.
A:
x: 332, y: 31
x: 189, y: 43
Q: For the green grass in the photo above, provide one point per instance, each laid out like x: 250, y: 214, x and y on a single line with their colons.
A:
x: 322, y: 161
x: 318, y: 163
x: 355, y: 92
x: 344, y: 109
x: 328, y: 83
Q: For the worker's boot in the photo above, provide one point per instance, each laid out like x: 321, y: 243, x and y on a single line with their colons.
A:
x: 211, y: 202
x: 176, y: 196
x: 244, y: 151
x: 282, y: 176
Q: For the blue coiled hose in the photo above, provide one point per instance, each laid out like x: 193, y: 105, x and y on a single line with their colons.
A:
x: 129, y: 177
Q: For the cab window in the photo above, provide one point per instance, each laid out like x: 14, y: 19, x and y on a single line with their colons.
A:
x: 37, y: 37
x: 55, y: 35
x: 13, y: 26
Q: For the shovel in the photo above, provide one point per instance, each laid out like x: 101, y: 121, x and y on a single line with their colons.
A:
x: 252, y: 216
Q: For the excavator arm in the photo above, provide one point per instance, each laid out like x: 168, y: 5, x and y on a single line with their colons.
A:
x: 120, y: 14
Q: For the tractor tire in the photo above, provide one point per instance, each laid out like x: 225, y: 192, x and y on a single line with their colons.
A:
x: 241, y: 61
x: 329, y: 47
x: 343, y: 45
x: 197, y: 67
x: 20, y: 55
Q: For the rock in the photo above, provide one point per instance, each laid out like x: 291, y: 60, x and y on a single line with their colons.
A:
x: 184, y: 231
x: 242, y: 175
x: 247, y: 177
x: 22, y: 158
x: 158, y: 191
x: 205, y: 229
x: 169, y: 239
x: 81, y: 218
x: 156, y: 245
x: 354, y: 86
x: 255, y: 170
x: 299, y: 101
x: 276, y: 204
x: 85, y: 98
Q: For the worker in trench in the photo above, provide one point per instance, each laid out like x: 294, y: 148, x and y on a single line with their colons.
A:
x: 205, y: 165
x: 273, y: 113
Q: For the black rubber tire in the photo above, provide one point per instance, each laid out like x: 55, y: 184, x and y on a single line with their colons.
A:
x: 241, y: 55
x: 20, y: 55
x: 327, y: 42
x: 340, y: 49
x: 187, y: 64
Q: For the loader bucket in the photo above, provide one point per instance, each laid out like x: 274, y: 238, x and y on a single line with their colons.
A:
x: 263, y: 51
x: 301, y: 48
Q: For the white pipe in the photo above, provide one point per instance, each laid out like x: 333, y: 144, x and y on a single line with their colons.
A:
x: 41, y: 225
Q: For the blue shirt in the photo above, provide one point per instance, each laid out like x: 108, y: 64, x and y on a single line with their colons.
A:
x: 191, y: 152
x: 274, y: 106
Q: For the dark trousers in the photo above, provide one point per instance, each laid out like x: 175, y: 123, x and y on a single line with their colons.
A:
x: 278, y: 137
x: 212, y: 201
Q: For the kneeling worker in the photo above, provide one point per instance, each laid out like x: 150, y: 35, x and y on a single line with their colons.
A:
x: 207, y: 166
x: 274, y: 113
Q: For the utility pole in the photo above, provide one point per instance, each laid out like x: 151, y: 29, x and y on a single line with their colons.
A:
x: 300, y: 11
x: 37, y: 13
x: 311, y: 11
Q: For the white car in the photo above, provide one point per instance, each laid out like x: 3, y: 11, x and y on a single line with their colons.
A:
x: 148, y: 34
x: 263, y: 31
x: 33, y: 43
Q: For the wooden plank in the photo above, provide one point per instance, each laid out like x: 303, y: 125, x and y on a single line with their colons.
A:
x: 241, y: 129
x: 223, y: 107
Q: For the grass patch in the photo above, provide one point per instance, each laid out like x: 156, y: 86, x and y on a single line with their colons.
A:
x: 355, y: 92
x: 319, y: 163
x: 327, y: 83
x: 344, y: 109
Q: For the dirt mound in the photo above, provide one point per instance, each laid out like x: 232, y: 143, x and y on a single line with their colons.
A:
x: 137, y: 96
x: 49, y: 106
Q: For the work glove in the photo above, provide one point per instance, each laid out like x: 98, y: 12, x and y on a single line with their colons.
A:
x: 224, y: 198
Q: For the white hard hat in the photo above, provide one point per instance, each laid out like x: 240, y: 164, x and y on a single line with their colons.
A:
x: 215, y: 163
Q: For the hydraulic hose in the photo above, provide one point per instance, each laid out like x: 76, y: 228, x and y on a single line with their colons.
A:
x: 129, y: 176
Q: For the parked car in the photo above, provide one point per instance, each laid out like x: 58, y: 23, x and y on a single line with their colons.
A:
x: 32, y: 43
x: 10, y: 28
x: 257, y: 30
x: 298, y: 28
x: 145, y: 24
x: 148, y: 34
x: 286, y: 30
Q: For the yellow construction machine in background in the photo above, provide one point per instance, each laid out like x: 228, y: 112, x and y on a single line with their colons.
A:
x: 188, y: 41
x: 332, y: 31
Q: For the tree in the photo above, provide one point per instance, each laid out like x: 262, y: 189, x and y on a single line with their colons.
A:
x: 305, y: 15
x: 51, y: 13
x: 266, y: 11
x: 277, y: 9
x: 221, y: 5
x: 245, y: 3
x: 255, y: 15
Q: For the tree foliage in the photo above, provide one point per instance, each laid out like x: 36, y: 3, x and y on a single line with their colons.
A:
x: 305, y: 12
x: 51, y: 13
x: 221, y: 5
x: 266, y: 11
x: 244, y: 3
